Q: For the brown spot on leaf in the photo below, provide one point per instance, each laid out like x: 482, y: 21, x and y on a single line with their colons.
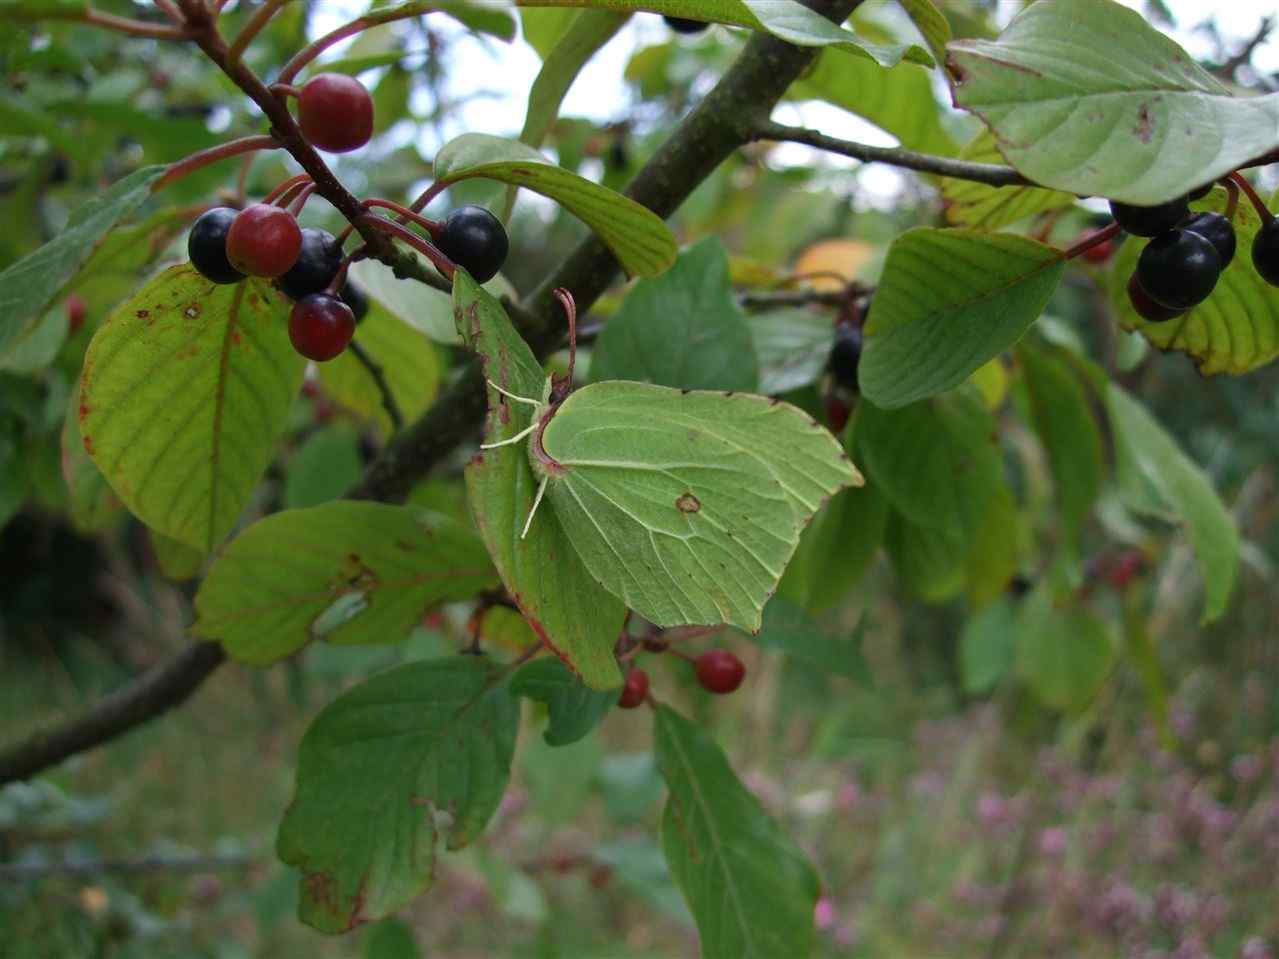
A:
x: 688, y: 503
x: 405, y: 545
x: 192, y: 311
x: 143, y: 314
x: 1145, y: 129
x: 88, y: 445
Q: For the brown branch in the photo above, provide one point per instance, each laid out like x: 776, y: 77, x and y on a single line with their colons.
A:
x: 134, y: 28
x: 1244, y: 56
x: 384, y: 388
x: 786, y: 298
x: 992, y: 174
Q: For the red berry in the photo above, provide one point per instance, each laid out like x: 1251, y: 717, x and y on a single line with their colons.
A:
x: 719, y: 671
x: 335, y: 112
x: 320, y: 326
x: 75, y: 312
x: 635, y: 690
x: 1100, y: 253
x: 263, y: 240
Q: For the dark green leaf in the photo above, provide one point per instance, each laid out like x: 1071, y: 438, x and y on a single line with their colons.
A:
x: 836, y: 549
x: 987, y: 647
x: 789, y: 629
x: 326, y: 466
x: 573, y: 708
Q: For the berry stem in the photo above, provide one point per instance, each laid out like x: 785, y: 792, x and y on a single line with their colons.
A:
x: 339, y: 278
x: 1088, y: 242
x: 171, y: 11
x: 285, y: 186
x: 222, y: 151
x: 440, y: 261
x: 359, y: 25
x: 1232, y: 197
x: 1258, y: 204
x: 134, y: 28
x: 283, y: 90
x: 429, y: 194
x: 426, y: 223
x: 299, y: 201
x: 256, y: 24
x: 389, y: 403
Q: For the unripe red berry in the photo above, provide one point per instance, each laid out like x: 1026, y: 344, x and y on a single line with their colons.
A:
x: 320, y: 326
x: 635, y: 690
x: 1102, y: 252
x: 263, y: 240
x: 75, y: 312
x: 335, y: 112
x: 719, y: 671
x: 1146, y: 308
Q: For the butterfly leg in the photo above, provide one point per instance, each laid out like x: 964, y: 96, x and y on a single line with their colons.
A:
x: 512, y: 396
x: 533, y: 509
x: 514, y: 439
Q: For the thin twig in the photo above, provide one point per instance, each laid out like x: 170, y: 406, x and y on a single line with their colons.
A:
x: 379, y: 377
x: 134, y: 28
x: 785, y: 298
x: 992, y: 174
x: 222, y: 151
x: 256, y: 24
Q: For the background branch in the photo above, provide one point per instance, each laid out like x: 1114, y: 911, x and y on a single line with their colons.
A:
x: 379, y: 377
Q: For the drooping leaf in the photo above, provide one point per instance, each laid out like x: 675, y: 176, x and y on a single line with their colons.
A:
x: 544, y: 26
x: 931, y: 23
x: 323, y: 468
x: 376, y: 767
x: 1147, y: 454
x: 973, y: 204
x: 93, y: 504
x: 28, y: 286
x: 836, y: 549
x: 569, y: 610
x: 39, y: 345
x: 637, y: 236
x: 681, y: 329
x: 688, y: 505
x: 347, y: 572
x: 573, y: 708
x: 1235, y: 330
x: 934, y: 461
x: 792, y: 347
x: 929, y: 561
x: 1085, y: 96
x: 389, y: 939
x: 184, y: 391
x: 1065, y: 654
x: 750, y: 888
x: 789, y: 629
x: 993, y: 555
x: 987, y: 647
x: 177, y: 561
x: 949, y: 301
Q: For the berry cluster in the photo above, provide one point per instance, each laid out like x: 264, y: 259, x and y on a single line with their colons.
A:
x: 718, y: 671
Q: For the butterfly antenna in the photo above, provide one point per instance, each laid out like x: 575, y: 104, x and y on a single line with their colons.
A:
x: 570, y: 310
x: 533, y: 509
x: 513, y: 439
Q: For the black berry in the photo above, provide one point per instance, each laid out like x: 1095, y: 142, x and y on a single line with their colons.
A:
x: 682, y: 25
x: 1201, y: 192
x: 1217, y: 230
x: 845, y: 355
x: 475, y: 240
x: 353, y: 295
x: 1146, y: 308
x: 1150, y: 220
x: 317, y: 264
x: 206, y: 246
x: 1179, y: 269
x: 1265, y: 252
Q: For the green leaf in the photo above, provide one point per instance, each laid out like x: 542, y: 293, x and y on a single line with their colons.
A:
x: 789, y: 629
x: 544, y: 26
x: 637, y: 236
x: 987, y: 647
x: 29, y: 286
x: 1068, y: 118
x: 39, y: 346
x: 1235, y: 330
x: 949, y: 301
x: 972, y: 204
x: 20, y: 117
x: 1146, y: 453
x: 792, y: 346
x: 931, y: 24
x: 389, y: 939
x: 750, y: 888
x: 836, y: 549
x: 347, y: 572
x: 177, y: 561
x: 185, y: 390
x: 573, y: 708
x: 376, y: 767
x: 568, y: 609
x: 682, y: 329
x: 993, y: 556
x: 41, y: 9
x: 410, y: 363
x: 1064, y: 654
x: 934, y: 461
x: 323, y: 468
x: 688, y: 505
x: 929, y: 561
x: 91, y: 502
x: 1064, y: 420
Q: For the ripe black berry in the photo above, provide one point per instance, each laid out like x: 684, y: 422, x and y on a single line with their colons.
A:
x: 1146, y: 308
x: 719, y: 671
x: 317, y: 264
x: 1150, y: 220
x: 635, y: 689
x: 682, y: 25
x: 1178, y: 269
x: 320, y: 326
x: 335, y: 112
x: 353, y: 295
x: 206, y: 246
x: 845, y: 355
x: 1217, y: 230
x: 1265, y: 252
x: 475, y: 240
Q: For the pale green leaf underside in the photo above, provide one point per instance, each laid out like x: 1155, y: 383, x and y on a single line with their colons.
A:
x: 688, y: 505
x: 1146, y: 453
x: 373, y: 770
x: 968, y: 203
x: 948, y: 301
x: 931, y: 23
x: 28, y: 286
x: 1085, y: 96
x: 184, y: 391
x: 565, y: 606
x: 279, y: 583
x: 637, y: 236
x: 750, y: 888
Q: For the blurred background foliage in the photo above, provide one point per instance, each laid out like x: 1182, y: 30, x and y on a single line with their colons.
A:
x: 948, y: 809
